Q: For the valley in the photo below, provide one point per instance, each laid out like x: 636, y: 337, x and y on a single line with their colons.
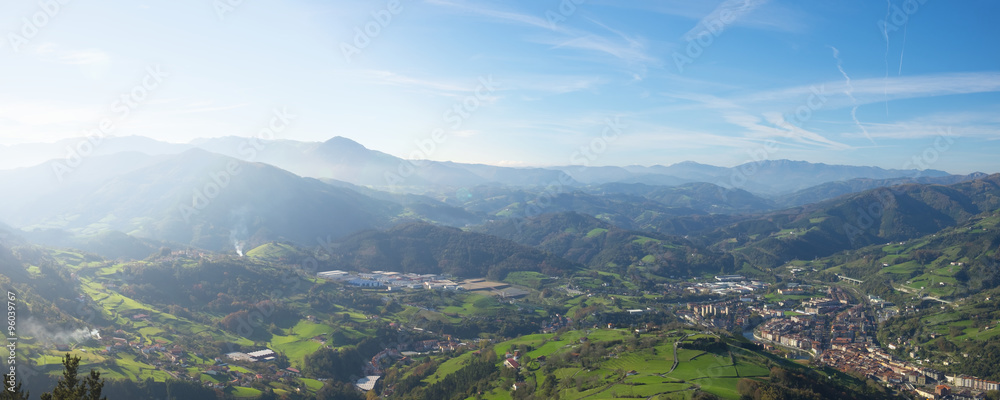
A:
x: 329, y: 290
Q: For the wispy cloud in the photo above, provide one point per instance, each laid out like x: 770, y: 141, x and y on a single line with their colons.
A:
x: 497, y: 14
x: 205, y: 106
x: 619, y: 45
x: 871, y: 90
x: 726, y: 13
x: 54, y: 53
x: 85, y: 57
x: 380, y: 77
x: 978, y: 124
x: 46, y: 113
x: 849, y: 91
x: 558, y: 84
x: 631, y: 53
x: 773, y: 125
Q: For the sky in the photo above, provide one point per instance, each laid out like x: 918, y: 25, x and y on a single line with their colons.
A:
x: 895, y: 84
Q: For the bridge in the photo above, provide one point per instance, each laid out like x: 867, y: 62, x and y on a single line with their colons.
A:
x: 851, y: 280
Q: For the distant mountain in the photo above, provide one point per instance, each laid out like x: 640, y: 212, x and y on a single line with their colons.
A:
x: 876, y: 216
x: 767, y: 177
x: 784, y: 176
x: 418, y: 207
x: 621, y: 209
x: 516, y: 176
x: 204, y: 200
x: 346, y: 160
x: 31, y: 154
x: 31, y: 184
x: 425, y: 248
x: 107, y: 244
x: 8, y: 235
x: 599, y: 175
x: 700, y: 196
x: 835, y: 189
x: 688, y: 170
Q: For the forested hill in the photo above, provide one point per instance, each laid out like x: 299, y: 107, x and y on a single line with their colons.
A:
x: 852, y: 222
x: 603, y: 246
x: 425, y: 248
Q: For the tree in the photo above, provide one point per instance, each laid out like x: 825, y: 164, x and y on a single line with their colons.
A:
x: 12, y: 392
x: 70, y: 387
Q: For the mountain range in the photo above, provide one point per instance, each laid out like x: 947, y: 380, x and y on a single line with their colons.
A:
x: 346, y: 160
x: 132, y: 195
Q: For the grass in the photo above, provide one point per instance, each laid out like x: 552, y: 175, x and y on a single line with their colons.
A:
x: 244, y: 392
x: 312, y: 385
x: 274, y: 252
x: 714, y: 373
x: 644, y: 240
x: 722, y: 387
x: 530, y: 279
x: 596, y: 232
x: 448, y: 367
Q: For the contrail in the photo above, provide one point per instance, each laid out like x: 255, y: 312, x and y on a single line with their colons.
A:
x: 885, y: 33
x: 840, y: 66
x: 849, y: 91
x: 905, y: 26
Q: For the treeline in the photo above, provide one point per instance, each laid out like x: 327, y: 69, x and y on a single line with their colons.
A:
x: 711, y: 345
x: 151, y: 390
x: 344, y: 364
x: 259, y: 321
x: 223, y: 285
x: 424, y: 248
x: 326, y: 297
x: 504, y: 323
x: 475, y: 377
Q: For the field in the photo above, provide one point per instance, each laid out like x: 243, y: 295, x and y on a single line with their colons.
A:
x: 647, y: 372
x: 298, y: 344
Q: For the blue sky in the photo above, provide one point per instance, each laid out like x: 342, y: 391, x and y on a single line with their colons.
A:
x: 897, y: 84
